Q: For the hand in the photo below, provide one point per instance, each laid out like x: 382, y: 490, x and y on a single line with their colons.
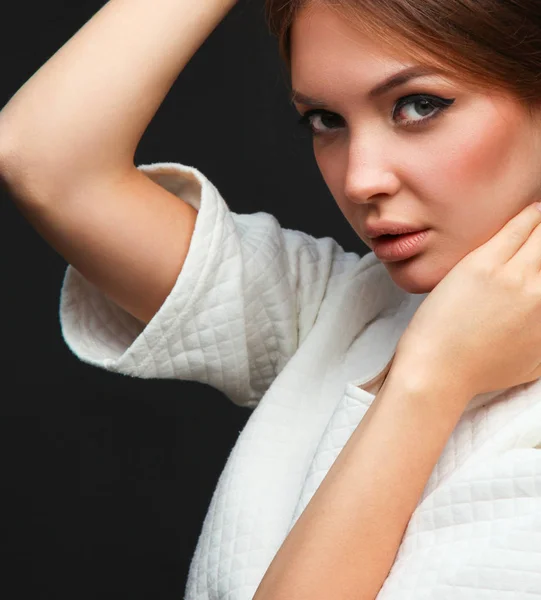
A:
x: 481, y: 325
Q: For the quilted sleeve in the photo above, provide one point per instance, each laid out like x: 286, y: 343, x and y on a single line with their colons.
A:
x: 247, y: 295
x: 477, y: 537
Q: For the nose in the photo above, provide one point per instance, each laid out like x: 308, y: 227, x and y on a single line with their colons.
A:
x: 369, y: 175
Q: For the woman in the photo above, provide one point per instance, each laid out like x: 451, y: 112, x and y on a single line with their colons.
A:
x: 337, y: 469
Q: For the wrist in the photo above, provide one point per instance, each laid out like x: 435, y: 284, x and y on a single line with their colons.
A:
x: 428, y: 385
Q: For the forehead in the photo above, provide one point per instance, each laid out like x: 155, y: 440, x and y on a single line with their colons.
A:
x: 321, y: 36
x: 327, y: 50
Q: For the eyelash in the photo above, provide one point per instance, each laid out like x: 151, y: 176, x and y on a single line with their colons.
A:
x: 441, y: 104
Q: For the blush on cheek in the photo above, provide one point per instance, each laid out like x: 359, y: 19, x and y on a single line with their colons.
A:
x: 482, y: 151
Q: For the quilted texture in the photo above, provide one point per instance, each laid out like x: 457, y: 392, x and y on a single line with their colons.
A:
x: 293, y: 327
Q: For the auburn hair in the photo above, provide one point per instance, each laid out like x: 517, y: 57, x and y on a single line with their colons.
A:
x: 488, y: 44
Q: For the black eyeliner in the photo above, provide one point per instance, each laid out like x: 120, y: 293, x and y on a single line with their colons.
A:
x: 438, y: 102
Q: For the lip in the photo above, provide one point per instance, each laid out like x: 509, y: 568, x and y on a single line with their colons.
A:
x: 374, y: 230
x: 400, y: 247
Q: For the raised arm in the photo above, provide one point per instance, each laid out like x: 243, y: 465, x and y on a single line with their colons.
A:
x: 68, y: 139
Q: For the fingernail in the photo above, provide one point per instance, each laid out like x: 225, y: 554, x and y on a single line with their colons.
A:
x: 538, y: 205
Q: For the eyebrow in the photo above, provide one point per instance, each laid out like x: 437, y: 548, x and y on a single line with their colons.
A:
x: 385, y: 86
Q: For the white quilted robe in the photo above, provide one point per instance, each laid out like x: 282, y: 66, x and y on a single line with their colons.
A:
x: 290, y: 326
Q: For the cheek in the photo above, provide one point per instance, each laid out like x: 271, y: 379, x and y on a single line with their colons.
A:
x: 478, y: 155
x: 477, y: 172
x: 333, y: 168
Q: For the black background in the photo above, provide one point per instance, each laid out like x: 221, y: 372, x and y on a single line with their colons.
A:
x: 105, y: 479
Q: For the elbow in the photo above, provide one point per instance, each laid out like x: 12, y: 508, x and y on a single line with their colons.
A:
x: 5, y: 154
x: 8, y: 139
x: 40, y: 176
x: 7, y: 171
x: 11, y: 168
x: 21, y: 176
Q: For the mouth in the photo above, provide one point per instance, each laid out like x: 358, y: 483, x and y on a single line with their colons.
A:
x: 376, y: 230
x: 395, y: 247
x: 390, y: 236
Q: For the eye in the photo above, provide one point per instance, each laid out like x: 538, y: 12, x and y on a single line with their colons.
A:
x: 320, y: 121
x: 428, y: 107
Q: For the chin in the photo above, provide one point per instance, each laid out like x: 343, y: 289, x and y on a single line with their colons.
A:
x: 413, y: 287
x: 413, y: 276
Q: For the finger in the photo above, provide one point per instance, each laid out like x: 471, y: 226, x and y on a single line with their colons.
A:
x: 507, y: 242
x: 528, y: 255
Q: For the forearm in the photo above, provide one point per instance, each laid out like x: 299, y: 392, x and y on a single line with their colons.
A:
x: 345, y: 542
x: 86, y: 109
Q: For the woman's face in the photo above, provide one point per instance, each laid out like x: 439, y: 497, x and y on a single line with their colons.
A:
x: 462, y: 174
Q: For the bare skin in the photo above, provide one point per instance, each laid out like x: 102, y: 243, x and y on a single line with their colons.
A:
x: 483, y: 277
x: 91, y: 102
x: 438, y: 175
x: 358, y: 515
